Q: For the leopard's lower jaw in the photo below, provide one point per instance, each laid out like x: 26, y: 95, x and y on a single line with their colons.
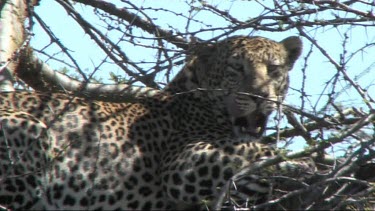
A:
x: 252, y: 125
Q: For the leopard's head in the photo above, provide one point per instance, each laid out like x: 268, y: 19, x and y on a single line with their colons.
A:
x: 248, y: 74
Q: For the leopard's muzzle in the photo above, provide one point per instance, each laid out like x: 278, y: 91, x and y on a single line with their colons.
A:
x: 253, y: 124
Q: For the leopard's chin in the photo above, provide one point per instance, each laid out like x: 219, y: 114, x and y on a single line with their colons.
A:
x: 253, y: 125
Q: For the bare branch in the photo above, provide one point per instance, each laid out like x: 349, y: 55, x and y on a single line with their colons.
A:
x: 52, y: 81
x: 136, y: 21
x: 12, y: 35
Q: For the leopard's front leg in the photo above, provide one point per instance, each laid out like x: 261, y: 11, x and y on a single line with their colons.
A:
x: 201, y: 170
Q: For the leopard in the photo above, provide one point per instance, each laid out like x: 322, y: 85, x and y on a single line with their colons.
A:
x: 175, y: 149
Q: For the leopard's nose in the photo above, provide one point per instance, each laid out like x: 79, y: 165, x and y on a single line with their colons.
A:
x: 264, y: 94
x: 259, y: 96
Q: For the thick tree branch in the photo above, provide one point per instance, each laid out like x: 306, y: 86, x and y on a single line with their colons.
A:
x: 30, y: 67
x: 12, y: 35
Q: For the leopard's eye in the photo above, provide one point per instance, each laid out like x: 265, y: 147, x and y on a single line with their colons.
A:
x: 236, y: 68
x: 272, y: 68
x: 241, y: 69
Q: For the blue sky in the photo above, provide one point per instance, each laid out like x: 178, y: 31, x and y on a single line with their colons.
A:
x: 319, y: 70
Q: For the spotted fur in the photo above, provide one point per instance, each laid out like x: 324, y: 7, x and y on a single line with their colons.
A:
x: 176, y: 148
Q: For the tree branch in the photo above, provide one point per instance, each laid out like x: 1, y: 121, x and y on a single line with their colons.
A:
x: 136, y: 21
x: 30, y: 67
x: 12, y: 35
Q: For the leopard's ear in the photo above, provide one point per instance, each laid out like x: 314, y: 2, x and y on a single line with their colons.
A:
x: 201, y: 50
x: 293, y: 46
x: 204, y: 62
x: 198, y: 58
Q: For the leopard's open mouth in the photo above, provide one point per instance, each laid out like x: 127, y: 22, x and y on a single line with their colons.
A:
x: 253, y: 124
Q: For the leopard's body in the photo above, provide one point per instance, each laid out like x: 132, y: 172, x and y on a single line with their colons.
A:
x: 177, y: 147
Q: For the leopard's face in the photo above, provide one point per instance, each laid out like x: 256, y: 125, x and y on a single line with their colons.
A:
x: 252, y: 74
x: 257, y: 75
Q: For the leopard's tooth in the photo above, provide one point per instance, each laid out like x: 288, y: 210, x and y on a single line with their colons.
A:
x: 258, y: 129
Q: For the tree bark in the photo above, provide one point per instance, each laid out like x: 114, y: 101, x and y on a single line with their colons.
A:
x: 39, y: 76
x: 12, y: 36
